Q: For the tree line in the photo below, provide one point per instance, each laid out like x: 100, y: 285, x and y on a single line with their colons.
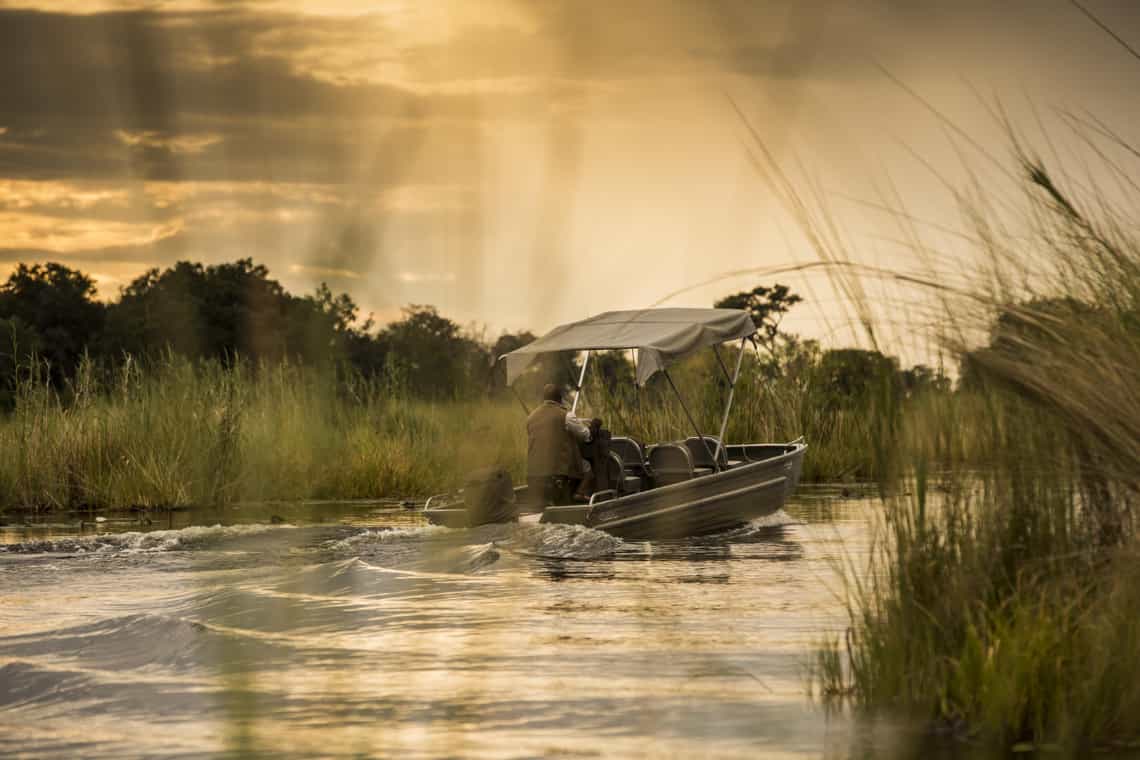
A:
x: 51, y: 320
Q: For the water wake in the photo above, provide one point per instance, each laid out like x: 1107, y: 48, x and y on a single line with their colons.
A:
x: 438, y: 550
x: 559, y: 542
x: 142, y: 640
x: 372, y: 538
x: 759, y: 527
x: 139, y: 541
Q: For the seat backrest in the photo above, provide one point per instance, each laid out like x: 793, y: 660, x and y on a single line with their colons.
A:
x: 700, y: 451
x: 670, y: 463
x: 629, y: 450
x: 615, y: 471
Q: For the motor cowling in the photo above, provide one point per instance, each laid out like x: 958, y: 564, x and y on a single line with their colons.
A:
x: 489, y: 496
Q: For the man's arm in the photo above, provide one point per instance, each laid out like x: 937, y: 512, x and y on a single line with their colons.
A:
x: 577, y: 428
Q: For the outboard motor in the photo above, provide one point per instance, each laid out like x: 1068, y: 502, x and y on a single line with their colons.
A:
x: 489, y: 497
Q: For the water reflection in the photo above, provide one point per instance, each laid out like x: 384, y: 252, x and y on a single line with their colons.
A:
x: 356, y: 629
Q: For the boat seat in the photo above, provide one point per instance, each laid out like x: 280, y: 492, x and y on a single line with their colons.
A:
x: 623, y: 481
x: 633, y: 461
x: 700, y: 453
x: 629, y: 450
x: 670, y: 463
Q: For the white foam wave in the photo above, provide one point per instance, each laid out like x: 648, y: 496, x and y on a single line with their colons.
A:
x: 560, y: 541
x: 139, y: 541
x: 777, y: 519
x: 374, y: 536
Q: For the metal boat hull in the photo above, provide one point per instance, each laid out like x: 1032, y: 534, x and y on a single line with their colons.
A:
x: 707, y: 504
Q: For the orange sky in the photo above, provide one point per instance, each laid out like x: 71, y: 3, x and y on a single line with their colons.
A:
x: 519, y: 164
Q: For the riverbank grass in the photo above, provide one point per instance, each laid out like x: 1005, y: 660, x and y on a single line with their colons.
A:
x: 174, y: 432
x: 1004, y: 607
x: 180, y: 433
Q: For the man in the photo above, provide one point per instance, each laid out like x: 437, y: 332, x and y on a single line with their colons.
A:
x: 554, y: 465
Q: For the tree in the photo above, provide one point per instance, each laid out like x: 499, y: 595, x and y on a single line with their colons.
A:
x: 432, y: 356
x: 505, y: 343
x: 792, y: 358
x: 921, y: 378
x: 1023, y: 334
x: 323, y: 326
x: 229, y: 310
x: 767, y: 307
x: 846, y: 377
x: 57, y: 305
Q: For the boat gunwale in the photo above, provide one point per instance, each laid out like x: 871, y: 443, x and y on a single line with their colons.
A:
x: 693, y: 503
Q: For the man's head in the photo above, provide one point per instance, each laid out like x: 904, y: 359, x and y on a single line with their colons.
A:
x: 552, y: 392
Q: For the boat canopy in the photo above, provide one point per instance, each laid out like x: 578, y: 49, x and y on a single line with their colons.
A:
x: 660, y: 336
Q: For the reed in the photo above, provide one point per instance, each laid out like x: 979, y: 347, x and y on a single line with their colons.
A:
x: 172, y: 432
x: 1002, y: 604
x: 178, y: 433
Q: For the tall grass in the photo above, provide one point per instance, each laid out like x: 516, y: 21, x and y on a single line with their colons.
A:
x: 1005, y: 604
x: 175, y: 432
x: 179, y: 433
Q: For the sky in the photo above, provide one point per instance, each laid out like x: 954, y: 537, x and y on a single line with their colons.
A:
x: 522, y: 163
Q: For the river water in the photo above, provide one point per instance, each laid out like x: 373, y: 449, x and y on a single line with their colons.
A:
x: 358, y: 630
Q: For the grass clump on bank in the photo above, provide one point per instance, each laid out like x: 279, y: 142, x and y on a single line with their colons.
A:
x: 182, y: 432
x: 1006, y: 607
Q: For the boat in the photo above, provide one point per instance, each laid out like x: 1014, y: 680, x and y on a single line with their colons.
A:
x: 693, y: 486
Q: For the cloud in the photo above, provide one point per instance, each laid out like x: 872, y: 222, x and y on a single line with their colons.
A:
x: 425, y: 277
x: 40, y: 196
x: 291, y: 92
x: 186, y: 143
x: 53, y: 235
x: 173, y: 96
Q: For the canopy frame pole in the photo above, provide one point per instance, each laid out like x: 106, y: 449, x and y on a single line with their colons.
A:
x: 636, y: 392
x: 581, y: 379
x: 731, y: 391
x: 720, y: 361
x: 693, y: 422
